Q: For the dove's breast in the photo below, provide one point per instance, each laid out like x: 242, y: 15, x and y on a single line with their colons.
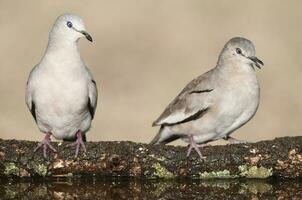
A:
x: 238, y: 105
x: 61, y: 101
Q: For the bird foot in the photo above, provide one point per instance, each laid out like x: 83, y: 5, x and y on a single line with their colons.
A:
x: 45, y: 143
x: 78, y: 143
x: 195, y: 146
x: 235, y: 141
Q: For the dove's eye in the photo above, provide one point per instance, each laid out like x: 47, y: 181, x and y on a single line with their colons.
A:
x: 69, y: 24
x: 238, y: 51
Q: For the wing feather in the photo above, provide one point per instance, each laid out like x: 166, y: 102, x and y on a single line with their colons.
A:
x: 193, y: 100
x: 92, y: 98
x: 28, y: 95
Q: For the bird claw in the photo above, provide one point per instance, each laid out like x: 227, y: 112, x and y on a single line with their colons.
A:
x: 78, y: 143
x: 195, y: 146
x: 45, y: 143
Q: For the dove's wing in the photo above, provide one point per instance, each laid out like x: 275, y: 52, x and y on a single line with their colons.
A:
x: 93, y: 97
x: 194, y: 99
x: 28, y: 95
x: 92, y: 94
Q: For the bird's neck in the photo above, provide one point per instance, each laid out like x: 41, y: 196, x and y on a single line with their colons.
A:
x: 236, y: 72
x: 57, y: 45
x: 62, y: 52
x: 62, y: 57
x: 235, y: 67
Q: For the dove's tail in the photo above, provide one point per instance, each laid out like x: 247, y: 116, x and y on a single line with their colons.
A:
x: 164, y: 136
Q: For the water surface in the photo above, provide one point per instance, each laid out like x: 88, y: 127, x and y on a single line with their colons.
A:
x: 120, y: 188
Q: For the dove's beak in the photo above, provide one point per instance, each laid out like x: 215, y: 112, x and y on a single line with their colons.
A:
x: 256, y: 61
x: 87, y: 35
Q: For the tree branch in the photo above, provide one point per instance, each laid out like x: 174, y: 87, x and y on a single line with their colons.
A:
x: 281, y: 158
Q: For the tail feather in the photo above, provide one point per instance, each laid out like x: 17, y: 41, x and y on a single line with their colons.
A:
x: 156, y: 138
x: 163, y: 137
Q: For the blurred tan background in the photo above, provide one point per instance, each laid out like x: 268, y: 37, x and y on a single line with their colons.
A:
x: 145, y: 51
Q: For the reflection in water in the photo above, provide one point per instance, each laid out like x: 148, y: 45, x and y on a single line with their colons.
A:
x: 97, y: 188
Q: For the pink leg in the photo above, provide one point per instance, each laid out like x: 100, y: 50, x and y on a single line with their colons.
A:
x: 234, y: 140
x: 79, y: 142
x: 193, y: 145
x: 45, y: 143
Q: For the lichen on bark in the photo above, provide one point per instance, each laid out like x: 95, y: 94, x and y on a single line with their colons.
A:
x: 279, y: 158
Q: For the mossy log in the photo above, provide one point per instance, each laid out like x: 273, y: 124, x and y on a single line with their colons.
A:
x: 279, y: 158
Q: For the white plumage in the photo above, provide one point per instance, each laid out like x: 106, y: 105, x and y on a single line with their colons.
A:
x: 61, y: 92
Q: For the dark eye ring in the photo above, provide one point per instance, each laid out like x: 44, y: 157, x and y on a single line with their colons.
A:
x: 238, y: 51
x: 69, y: 24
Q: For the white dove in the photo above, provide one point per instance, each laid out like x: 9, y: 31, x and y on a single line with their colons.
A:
x: 61, y: 93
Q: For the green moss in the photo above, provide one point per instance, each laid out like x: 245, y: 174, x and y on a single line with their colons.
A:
x: 255, y: 172
x: 216, y: 174
x: 162, y: 172
x: 69, y: 175
x: 160, y: 188
x: 40, y: 169
x: 11, y: 169
x: 10, y: 194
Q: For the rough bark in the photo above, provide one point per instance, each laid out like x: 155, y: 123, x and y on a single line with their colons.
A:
x: 281, y: 158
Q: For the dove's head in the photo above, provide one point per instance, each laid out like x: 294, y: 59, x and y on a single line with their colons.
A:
x: 69, y: 28
x: 240, y: 50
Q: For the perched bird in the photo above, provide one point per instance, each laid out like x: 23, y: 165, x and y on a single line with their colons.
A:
x: 61, y: 93
x: 216, y: 103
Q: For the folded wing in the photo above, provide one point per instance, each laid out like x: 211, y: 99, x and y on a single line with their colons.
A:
x: 92, y: 98
x: 193, y: 100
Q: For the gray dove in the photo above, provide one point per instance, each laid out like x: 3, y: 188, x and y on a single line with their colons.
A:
x: 61, y: 93
x: 215, y: 104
